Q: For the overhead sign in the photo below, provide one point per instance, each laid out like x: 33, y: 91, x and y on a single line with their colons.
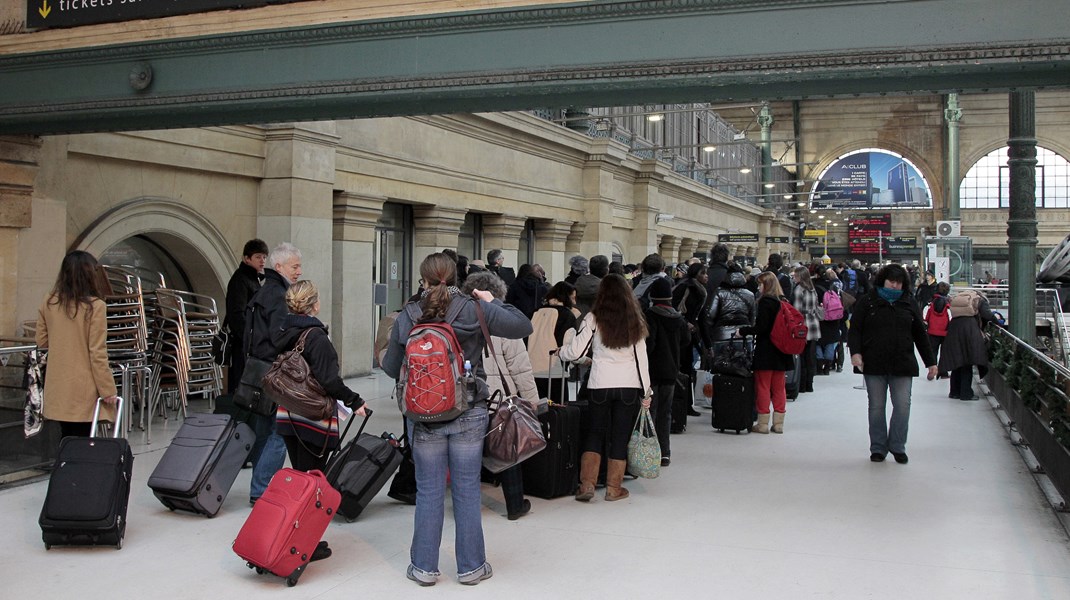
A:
x: 909, y: 242
x: 869, y: 234
x: 870, y: 178
x: 738, y: 238
x: 815, y: 232
x: 43, y: 14
x: 776, y: 240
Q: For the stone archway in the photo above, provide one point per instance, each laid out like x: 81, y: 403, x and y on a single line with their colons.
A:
x: 194, y: 242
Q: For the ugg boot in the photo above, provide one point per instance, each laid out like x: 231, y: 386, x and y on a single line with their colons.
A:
x: 614, y: 477
x: 778, y: 422
x: 589, y: 463
x: 763, y: 424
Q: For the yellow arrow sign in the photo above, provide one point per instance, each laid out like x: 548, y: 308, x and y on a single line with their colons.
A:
x: 45, y: 9
x: 814, y: 232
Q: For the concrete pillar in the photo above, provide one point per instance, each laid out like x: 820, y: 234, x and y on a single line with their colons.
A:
x: 1022, y: 224
x: 296, y: 202
x: 953, y: 114
x: 435, y: 228
x: 504, y: 232
x: 688, y: 246
x: 574, y: 242
x: 551, y: 248
x: 18, y: 170
x: 352, y: 313
x: 668, y: 249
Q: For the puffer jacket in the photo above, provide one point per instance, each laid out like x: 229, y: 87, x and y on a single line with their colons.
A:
x: 732, y: 307
x: 512, y: 358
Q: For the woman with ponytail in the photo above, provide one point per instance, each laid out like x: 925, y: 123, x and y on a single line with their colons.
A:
x: 456, y: 446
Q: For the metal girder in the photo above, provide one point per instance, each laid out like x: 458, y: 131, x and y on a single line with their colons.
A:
x: 588, y: 54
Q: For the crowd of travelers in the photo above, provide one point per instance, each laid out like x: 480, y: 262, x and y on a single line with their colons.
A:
x: 630, y: 333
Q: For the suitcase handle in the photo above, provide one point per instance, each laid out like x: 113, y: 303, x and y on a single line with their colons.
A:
x: 118, y: 417
x: 367, y: 415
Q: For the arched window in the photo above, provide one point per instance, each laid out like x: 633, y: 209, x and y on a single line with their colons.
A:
x: 987, y: 184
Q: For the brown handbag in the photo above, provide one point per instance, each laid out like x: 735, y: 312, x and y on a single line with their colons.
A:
x: 291, y: 385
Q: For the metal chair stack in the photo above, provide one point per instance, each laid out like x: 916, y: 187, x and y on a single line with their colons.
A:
x: 127, y: 339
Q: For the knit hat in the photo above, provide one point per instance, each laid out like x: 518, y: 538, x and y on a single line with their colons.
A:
x: 661, y: 289
x: 579, y: 264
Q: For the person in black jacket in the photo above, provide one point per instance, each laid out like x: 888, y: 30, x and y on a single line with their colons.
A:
x: 886, y: 327
x: 245, y: 282
x: 495, y: 258
x: 769, y: 364
x: 717, y: 271
x: 667, y: 335
x: 730, y: 308
x: 528, y: 292
x: 264, y: 317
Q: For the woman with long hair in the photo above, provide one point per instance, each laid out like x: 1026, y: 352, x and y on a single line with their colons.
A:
x: 805, y: 299
x: 769, y: 363
x: 553, y: 326
x: 457, y: 445
x: 886, y: 326
x: 615, y: 331
x: 72, y: 326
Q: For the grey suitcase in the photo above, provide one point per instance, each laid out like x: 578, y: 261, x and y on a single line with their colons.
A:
x: 196, y: 471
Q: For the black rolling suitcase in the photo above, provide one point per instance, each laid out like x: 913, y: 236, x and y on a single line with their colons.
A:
x: 793, y: 378
x: 681, y: 403
x: 733, y: 402
x: 555, y: 471
x: 202, y: 462
x: 89, y: 490
x: 361, y: 468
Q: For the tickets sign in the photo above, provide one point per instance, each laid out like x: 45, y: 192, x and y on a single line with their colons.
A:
x: 44, y: 14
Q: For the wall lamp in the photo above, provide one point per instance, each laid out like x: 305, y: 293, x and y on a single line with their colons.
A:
x: 662, y: 217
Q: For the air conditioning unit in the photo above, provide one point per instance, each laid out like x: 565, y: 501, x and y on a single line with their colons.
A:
x: 948, y: 229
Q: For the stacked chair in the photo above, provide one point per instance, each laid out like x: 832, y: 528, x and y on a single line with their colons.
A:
x: 127, y: 339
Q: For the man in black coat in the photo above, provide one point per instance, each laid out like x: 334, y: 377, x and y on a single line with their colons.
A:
x: 717, y: 271
x: 668, y: 335
x: 265, y: 316
x: 495, y: 258
x: 886, y: 327
x: 245, y: 282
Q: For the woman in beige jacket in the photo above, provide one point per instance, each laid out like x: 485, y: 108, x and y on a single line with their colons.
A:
x: 72, y: 327
x: 510, y: 364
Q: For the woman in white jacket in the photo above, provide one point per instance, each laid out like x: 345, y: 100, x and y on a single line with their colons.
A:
x: 511, y: 357
x: 615, y: 332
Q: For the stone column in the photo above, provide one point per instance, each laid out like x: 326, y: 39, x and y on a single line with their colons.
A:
x: 1022, y: 224
x: 18, y: 169
x: 688, y: 246
x: 435, y: 228
x: 953, y: 114
x: 551, y: 248
x: 352, y: 313
x: 296, y: 201
x: 668, y: 248
x: 574, y: 242
x: 765, y: 120
x: 504, y: 232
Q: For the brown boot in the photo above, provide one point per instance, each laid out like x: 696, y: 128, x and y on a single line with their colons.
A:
x: 589, y: 463
x: 614, y: 477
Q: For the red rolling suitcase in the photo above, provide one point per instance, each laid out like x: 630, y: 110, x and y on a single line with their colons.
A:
x: 287, y: 523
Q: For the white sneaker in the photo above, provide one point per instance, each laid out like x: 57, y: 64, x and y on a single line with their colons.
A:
x: 484, y: 572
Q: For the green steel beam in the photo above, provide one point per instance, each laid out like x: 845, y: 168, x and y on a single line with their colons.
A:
x: 586, y: 54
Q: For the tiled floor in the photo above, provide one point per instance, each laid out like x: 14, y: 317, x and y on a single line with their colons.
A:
x: 799, y: 515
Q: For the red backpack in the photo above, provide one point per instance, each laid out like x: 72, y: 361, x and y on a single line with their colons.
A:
x: 937, y: 320
x: 433, y: 386
x: 789, y: 329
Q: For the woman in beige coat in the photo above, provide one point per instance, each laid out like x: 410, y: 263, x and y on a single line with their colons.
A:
x: 510, y: 364
x: 72, y: 327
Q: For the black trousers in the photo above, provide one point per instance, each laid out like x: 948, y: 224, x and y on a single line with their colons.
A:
x: 302, y: 458
x: 613, y: 412
x: 661, y: 410
x: 68, y: 428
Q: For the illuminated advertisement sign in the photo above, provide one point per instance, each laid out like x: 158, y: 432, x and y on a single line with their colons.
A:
x: 870, y: 179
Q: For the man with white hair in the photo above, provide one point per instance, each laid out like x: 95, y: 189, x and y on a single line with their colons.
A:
x: 264, y: 317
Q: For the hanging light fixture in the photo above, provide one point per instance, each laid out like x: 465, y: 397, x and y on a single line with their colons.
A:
x: 709, y: 148
x: 655, y: 117
x: 744, y: 170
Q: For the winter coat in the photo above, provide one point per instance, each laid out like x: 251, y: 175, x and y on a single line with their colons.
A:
x: 543, y: 365
x: 503, y: 320
x: 730, y: 308
x: 506, y: 274
x: 668, y: 335
x: 264, y: 318
x: 78, y: 371
x: 243, y: 284
x: 611, y: 368
x: 527, y: 294
x: 965, y: 343
x: 886, y: 334
x: 718, y: 273
x: 689, y: 298
x: 807, y: 302
x: 586, y: 289
x: 766, y: 356
x: 513, y: 359
x: 322, y: 361
x: 830, y: 329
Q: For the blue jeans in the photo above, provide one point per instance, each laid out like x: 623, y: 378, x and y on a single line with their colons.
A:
x: 885, y: 436
x: 271, y: 458
x: 458, y: 447
x: 827, y: 351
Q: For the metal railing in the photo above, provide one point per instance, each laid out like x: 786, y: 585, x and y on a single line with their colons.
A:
x: 20, y: 457
x: 1052, y: 324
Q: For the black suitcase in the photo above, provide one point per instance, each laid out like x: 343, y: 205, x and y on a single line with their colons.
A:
x: 555, y: 471
x: 202, y: 462
x: 792, y: 378
x: 733, y: 402
x: 89, y: 490
x: 361, y: 468
x: 681, y: 403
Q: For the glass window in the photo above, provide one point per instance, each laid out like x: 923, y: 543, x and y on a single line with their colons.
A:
x: 987, y: 183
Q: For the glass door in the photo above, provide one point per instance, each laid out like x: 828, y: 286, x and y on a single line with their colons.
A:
x: 393, y: 261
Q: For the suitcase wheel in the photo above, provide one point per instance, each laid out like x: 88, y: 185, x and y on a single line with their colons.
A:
x: 292, y: 579
x: 119, y: 544
x: 721, y: 430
